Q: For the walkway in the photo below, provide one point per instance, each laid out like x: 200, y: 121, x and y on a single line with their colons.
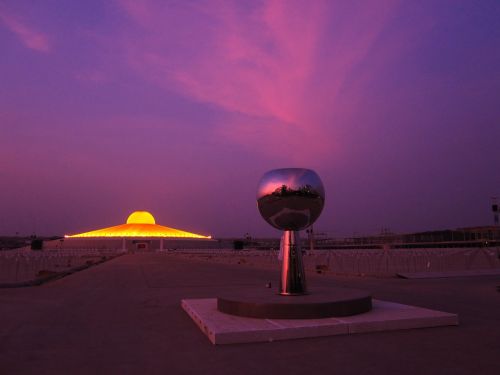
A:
x: 124, y: 317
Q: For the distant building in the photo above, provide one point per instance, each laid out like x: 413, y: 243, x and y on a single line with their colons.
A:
x: 140, y: 232
x: 482, y: 236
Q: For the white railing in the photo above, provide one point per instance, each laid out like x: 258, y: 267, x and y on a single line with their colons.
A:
x: 22, y: 265
x: 361, y: 262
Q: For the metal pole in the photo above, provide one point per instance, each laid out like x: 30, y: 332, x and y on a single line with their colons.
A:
x: 293, y: 277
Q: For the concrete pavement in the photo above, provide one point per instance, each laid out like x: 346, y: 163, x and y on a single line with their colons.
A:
x: 124, y: 317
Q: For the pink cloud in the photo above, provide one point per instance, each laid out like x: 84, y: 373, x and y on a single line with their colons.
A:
x: 265, y: 64
x: 30, y: 37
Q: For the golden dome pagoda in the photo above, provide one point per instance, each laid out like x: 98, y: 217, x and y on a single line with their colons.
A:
x: 139, y: 224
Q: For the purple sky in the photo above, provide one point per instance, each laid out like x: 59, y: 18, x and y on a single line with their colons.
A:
x: 179, y: 107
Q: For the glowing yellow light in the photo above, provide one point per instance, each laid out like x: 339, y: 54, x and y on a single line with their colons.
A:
x: 139, y: 224
x: 141, y: 217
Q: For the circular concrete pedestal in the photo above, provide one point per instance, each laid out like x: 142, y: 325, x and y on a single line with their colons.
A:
x: 319, y: 303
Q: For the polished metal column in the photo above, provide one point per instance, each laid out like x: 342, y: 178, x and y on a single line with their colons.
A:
x: 293, y: 277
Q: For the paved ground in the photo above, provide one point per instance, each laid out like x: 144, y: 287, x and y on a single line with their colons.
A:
x: 124, y: 317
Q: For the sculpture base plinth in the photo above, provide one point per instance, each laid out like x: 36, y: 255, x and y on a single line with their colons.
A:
x: 222, y: 328
x: 318, y: 303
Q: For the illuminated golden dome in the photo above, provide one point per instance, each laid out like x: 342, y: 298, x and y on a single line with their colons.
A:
x: 139, y: 224
x: 141, y: 217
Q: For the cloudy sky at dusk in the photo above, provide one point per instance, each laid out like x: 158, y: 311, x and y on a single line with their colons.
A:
x: 179, y: 107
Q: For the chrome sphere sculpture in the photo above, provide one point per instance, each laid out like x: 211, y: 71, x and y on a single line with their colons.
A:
x: 291, y: 199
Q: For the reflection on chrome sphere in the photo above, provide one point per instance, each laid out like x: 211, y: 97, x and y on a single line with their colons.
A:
x: 290, y: 198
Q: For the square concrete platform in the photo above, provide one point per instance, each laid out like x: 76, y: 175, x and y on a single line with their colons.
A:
x: 223, y: 328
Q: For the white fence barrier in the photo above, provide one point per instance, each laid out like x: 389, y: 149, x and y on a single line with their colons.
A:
x: 362, y: 262
x: 24, y: 264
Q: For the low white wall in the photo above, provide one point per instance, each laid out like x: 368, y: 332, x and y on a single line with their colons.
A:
x: 363, y: 262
